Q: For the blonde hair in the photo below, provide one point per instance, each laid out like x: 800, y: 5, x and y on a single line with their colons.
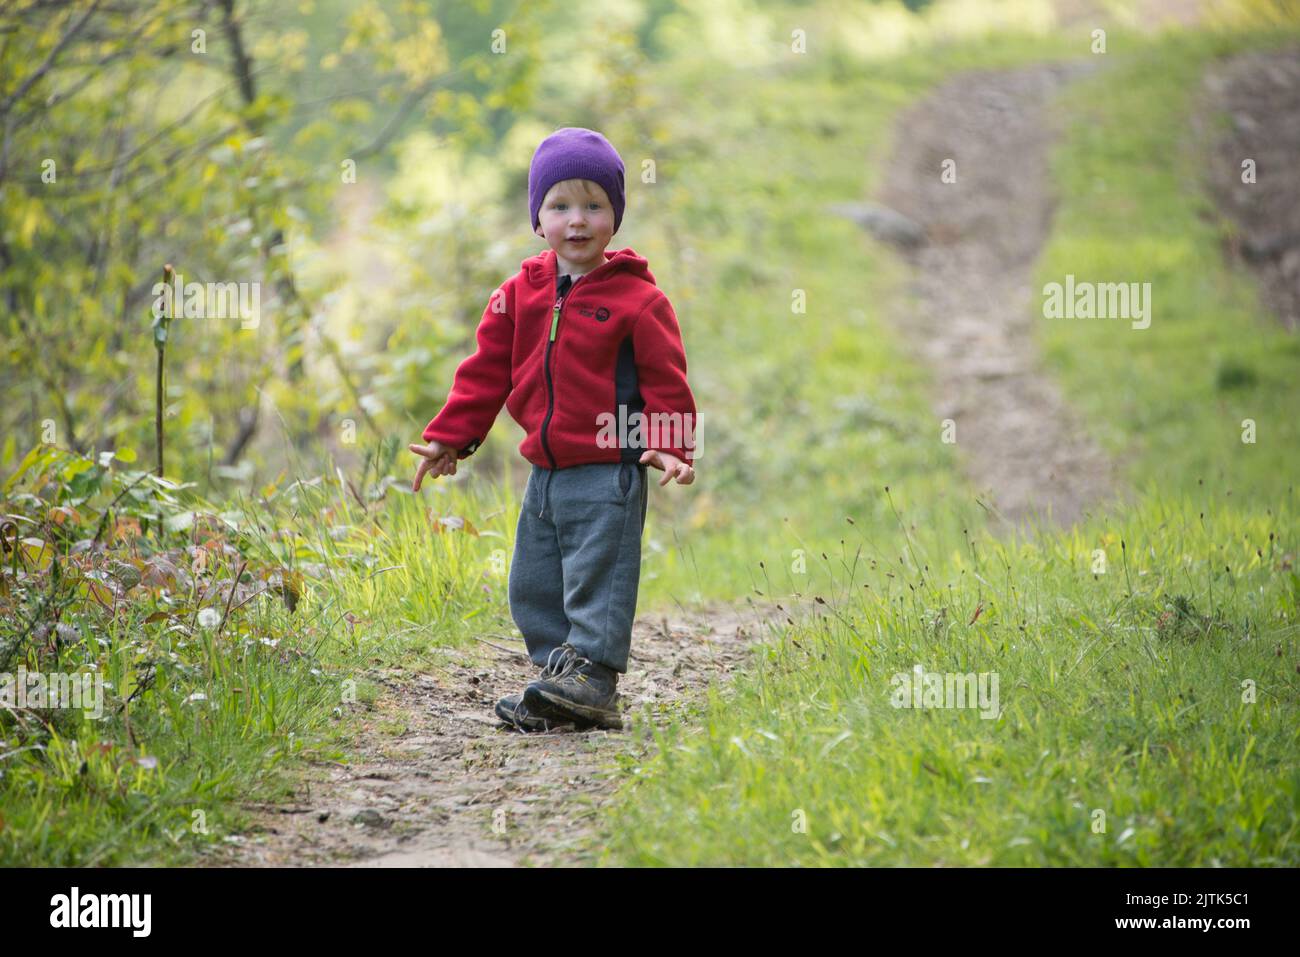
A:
x: 587, y: 186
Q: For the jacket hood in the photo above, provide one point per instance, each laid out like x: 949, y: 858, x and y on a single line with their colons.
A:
x: 541, y: 269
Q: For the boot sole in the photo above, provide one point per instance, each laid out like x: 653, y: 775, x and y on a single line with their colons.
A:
x: 534, y: 722
x: 554, y: 708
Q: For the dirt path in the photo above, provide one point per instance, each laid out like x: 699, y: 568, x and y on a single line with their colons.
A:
x: 1259, y: 94
x: 456, y: 788
x: 973, y: 310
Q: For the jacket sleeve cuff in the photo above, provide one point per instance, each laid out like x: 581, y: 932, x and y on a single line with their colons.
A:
x: 464, y: 447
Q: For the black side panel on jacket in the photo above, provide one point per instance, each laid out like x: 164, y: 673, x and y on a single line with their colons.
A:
x: 627, y: 392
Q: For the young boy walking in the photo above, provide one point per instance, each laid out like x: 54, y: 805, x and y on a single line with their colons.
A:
x: 586, y: 354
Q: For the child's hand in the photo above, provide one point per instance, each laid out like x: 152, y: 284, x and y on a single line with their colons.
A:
x: 436, y: 458
x: 672, y: 466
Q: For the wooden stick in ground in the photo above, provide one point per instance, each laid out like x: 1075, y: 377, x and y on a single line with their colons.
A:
x: 160, y: 342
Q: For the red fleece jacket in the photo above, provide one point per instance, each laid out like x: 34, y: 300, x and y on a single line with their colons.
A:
x: 558, y: 363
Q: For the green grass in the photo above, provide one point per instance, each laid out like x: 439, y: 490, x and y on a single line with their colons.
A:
x: 1126, y: 735
x: 1169, y: 400
x: 203, y: 710
x: 1120, y: 692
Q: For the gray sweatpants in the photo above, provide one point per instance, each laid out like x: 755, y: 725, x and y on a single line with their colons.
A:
x: 577, y: 561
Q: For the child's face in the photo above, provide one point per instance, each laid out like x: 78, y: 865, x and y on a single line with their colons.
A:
x: 578, y: 223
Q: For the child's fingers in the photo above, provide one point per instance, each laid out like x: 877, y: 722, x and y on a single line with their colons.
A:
x: 428, y: 451
x: 685, y: 475
x: 425, y: 466
x: 442, y: 464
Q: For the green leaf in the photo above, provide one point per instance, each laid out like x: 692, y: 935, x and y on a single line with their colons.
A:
x: 36, y: 553
x: 86, y: 483
x: 75, y: 467
x: 36, y: 455
x: 180, y: 522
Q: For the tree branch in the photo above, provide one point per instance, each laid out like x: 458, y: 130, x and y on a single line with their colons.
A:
x: 44, y: 68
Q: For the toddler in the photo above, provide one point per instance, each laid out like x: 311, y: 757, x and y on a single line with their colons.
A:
x: 579, y: 344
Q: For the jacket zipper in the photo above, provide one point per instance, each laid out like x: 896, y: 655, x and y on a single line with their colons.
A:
x: 546, y: 361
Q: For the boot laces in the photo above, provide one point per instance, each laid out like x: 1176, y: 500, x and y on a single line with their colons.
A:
x: 562, y: 661
x: 559, y: 663
x: 518, y: 722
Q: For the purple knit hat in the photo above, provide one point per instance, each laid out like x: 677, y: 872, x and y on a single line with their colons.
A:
x: 575, y: 153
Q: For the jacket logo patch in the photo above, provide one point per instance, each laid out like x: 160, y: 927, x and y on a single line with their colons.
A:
x: 600, y: 315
